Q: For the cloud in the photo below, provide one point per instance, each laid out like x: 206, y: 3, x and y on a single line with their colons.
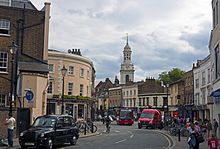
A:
x: 162, y: 34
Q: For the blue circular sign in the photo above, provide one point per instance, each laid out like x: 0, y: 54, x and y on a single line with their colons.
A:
x: 29, y: 95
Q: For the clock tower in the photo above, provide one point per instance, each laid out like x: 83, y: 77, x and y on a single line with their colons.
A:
x: 127, y: 68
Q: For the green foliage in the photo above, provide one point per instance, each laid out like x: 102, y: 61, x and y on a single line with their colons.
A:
x: 171, y: 76
x: 73, y: 97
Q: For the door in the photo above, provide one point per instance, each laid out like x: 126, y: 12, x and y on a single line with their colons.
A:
x: 69, y: 109
x: 60, y: 134
x: 23, y: 119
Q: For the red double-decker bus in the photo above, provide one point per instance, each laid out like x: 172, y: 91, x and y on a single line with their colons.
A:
x: 126, y: 117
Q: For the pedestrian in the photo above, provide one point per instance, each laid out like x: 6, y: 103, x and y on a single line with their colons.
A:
x: 215, y: 126
x: 197, y: 134
x: 213, y: 142
x: 192, y: 139
x: 10, y: 122
x: 209, y: 128
x: 197, y: 128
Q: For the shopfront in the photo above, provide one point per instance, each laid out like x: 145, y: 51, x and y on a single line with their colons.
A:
x: 216, y: 107
x: 79, y: 109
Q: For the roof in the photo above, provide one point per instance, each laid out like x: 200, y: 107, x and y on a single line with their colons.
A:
x: 22, y: 3
x: 33, y: 67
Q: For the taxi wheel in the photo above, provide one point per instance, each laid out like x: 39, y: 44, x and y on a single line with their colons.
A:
x: 49, y: 144
x: 73, y: 140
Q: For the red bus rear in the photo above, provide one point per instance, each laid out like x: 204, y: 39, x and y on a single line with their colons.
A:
x: 126, y: 117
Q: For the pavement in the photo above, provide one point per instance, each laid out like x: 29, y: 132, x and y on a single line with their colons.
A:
x: 81, y: 135
x: 182, y: 143
x: 174, y: 143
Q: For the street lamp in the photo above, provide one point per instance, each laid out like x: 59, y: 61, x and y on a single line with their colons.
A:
x: 13, y: 51
x: 165, y: 105
x: 63, y: 71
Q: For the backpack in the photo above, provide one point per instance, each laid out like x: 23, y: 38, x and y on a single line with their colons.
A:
x: 192, y: 140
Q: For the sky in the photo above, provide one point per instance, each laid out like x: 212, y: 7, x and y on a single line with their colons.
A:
x: 162, y: 34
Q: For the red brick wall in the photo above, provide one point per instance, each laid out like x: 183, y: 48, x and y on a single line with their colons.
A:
x: 32, y: 40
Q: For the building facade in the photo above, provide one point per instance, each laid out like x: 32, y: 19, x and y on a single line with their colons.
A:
x: 130, y: 96
x: 115, y: 98
x: 127, y: 67
x: 186, y: 95
x: 102, y: 96
x: 215, y: 59
x: 153, y: 95
x: 202, y: 88
x: 78, y: 83
x: 24, y: 32
x: 174, y: 98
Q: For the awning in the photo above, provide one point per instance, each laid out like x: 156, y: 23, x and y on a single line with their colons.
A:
x: 216, y: 93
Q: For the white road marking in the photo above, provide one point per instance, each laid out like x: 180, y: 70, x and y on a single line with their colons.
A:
x: 121, y: 141
x: 131, y: 136
x: 117, y: 131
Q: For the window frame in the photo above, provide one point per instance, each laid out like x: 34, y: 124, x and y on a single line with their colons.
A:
x: 49, y: 67
x: 3, y: 61
x: 5, y: 2
x: 217, y: 60
x: 5, y: 100
x: 81, y: 89
x: 50, y: 88
x: 197, y: 83
x: 5, y: 25
x: 81, y: 72
x: 203, y: 78
x: 70, y: 89
x: 155, y: 101
x: 71, y: 71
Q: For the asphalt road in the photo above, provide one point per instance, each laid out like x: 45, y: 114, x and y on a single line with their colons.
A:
x: 122, y: 137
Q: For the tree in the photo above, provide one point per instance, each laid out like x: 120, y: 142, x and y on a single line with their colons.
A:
x: 171, y: 76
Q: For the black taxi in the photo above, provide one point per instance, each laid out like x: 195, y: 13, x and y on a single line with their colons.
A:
x: 50, y: 130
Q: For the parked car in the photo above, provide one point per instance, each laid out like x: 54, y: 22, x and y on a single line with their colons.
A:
x: 150, y: 118
x: 50, y: 130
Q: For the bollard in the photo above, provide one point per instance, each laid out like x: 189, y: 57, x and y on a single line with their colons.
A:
x: 178, y: 134
x: 85, y: 129
x: 92, y: 128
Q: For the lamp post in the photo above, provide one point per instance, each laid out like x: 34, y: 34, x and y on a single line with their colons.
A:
x: 13, y: 51
x: 63, y: 71
x: 166, y: 104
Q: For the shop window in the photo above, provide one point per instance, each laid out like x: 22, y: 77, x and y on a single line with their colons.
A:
x: 80, y: 111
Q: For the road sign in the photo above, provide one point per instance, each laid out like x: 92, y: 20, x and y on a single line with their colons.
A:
x: 29, y: 95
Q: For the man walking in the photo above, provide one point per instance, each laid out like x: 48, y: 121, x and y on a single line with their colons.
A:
x: 209, y: 128
x: 215, y: 126
x: 10, y: 125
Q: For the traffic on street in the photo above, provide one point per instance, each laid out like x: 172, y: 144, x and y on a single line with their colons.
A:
x: 123, y: 137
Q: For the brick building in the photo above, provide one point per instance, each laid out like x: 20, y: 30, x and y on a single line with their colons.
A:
x: 26, y: 69
x: 185, y: 95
